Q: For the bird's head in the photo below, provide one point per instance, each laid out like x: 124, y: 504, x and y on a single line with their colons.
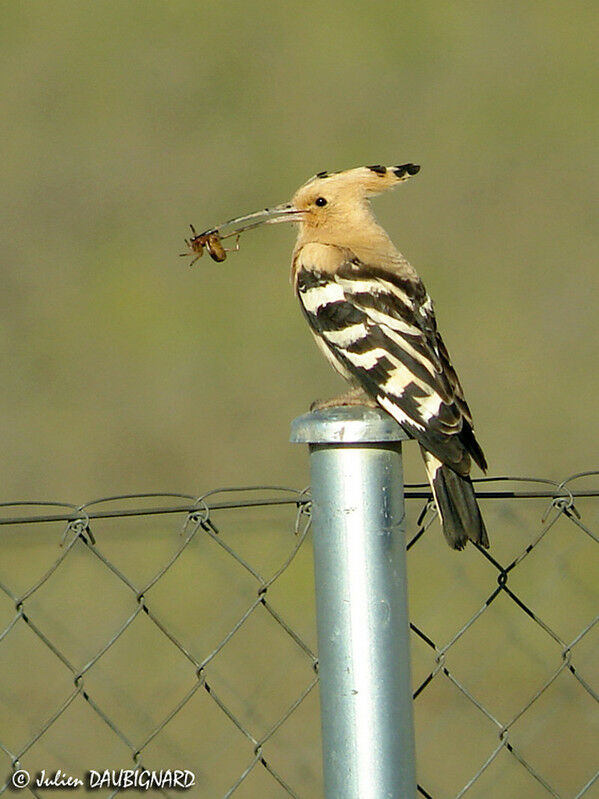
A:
x: 331, y: 208
x: 332, y: 205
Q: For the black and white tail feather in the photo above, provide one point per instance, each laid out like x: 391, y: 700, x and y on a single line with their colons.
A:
x: 456, y: 504
x: 378, y: 328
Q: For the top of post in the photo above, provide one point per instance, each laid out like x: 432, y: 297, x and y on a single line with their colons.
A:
x: 346, y: 424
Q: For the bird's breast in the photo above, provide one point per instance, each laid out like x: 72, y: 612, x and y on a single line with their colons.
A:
x: 317, y: 257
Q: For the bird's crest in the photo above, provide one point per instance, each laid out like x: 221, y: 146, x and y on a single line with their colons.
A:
x: 368, y: 180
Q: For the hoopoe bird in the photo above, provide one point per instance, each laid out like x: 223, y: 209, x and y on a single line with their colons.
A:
x: 372, y: 318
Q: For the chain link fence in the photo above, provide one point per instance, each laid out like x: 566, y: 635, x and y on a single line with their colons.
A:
x: 169, y: 632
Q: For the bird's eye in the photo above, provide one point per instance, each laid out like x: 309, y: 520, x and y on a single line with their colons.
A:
x: 320, y: 201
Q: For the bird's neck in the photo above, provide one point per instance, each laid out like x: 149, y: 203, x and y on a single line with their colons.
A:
x: 364, y: 237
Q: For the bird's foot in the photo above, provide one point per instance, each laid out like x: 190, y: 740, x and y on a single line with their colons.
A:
x: 354, y: 397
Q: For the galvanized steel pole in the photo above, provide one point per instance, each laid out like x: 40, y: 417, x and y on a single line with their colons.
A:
x: 361, y: 599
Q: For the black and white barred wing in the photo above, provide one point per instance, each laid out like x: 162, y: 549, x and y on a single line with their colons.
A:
x: 378, y: 328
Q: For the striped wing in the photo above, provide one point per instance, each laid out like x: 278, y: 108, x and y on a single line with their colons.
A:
x: 379, y: 329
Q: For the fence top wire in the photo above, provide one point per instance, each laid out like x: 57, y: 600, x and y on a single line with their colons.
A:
x: 550, y: 489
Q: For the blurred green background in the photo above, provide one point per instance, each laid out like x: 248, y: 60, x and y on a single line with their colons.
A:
x: 125, y: 370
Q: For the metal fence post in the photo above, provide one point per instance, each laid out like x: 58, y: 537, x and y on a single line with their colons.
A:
x: 361, y: 599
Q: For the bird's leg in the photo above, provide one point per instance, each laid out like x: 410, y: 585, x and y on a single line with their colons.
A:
x: 357, y: 396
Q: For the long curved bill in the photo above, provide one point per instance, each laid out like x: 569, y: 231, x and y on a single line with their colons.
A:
x: 278, y: 213
x: 212, y: 238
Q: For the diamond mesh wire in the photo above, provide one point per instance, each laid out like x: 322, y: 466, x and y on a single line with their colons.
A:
x: 167, y: 631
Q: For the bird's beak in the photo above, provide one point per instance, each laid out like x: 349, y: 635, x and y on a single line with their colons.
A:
x: 278, y: 213
x: 212, y: 238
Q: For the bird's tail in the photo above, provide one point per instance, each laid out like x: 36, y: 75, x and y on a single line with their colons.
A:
x: 456, y: 504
